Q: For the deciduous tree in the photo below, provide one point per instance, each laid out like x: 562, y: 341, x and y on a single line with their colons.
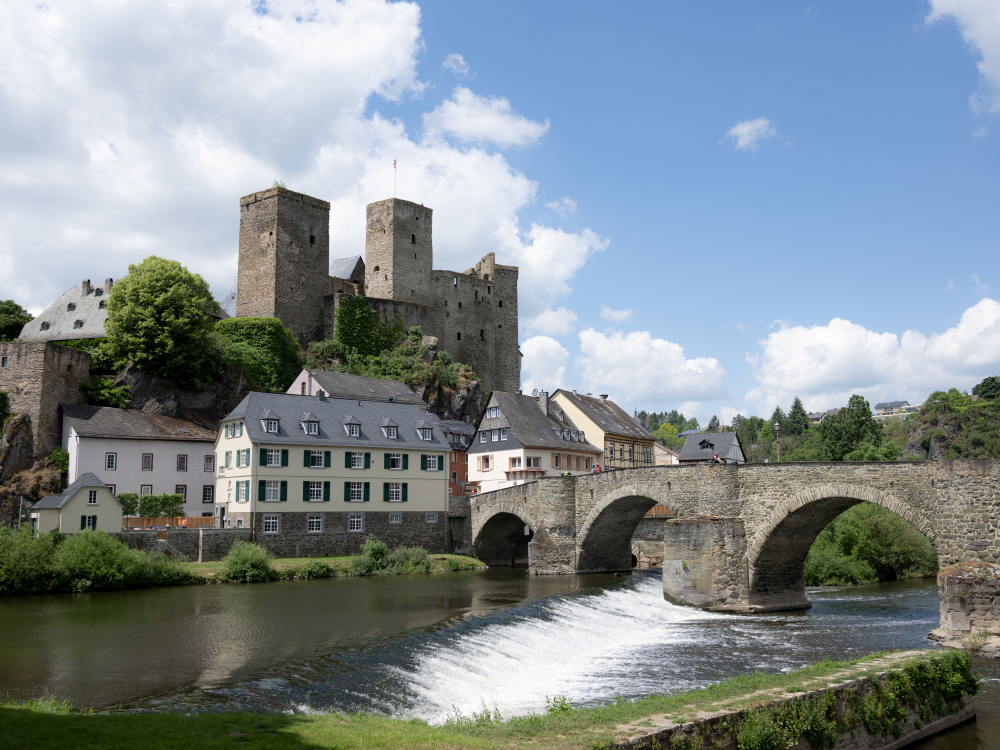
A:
x: 12, y: 319
x: 845, y: 431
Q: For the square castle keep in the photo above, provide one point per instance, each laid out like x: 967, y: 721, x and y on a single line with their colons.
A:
x: 284, y: 272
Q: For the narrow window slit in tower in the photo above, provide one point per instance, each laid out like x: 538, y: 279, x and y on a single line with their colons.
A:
x: 312, y: 239
x: 413, y: 239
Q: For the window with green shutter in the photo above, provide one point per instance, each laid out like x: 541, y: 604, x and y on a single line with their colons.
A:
x: 307, y: 458
x: 261, y: 489
x: 423, y: 462
x: 368, y: 460
x: 305, y: 492
x: 83, y: 522
x: 326, y: 491
x: 406, y: 461
x: 367, y: 491
x: 93, y: 522
x: 326, y: 459
x: 385, y: 490
x: 404, y: 492
x: 284, y: 491
x: 347, y: 460
x: 347, y: 491
x: 284, y: 457
x: 386, y: 456
x: 263, y: 457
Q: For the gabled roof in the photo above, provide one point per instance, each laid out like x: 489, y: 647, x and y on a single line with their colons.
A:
x: 342, y: 385
x: 58, y: 501
x: 308, y: 416
x: 532, y: 427
x: 62, y: 321
x: 892, y: 404
x: 333, y: 414
x: 108, y: 422
x: 346, y: 268
x: 607, y: 415
x: 687, y: 433
x: 719, y: 442
x: 228, y: 305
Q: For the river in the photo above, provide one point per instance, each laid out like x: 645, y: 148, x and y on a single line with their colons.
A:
x: 434, y: 646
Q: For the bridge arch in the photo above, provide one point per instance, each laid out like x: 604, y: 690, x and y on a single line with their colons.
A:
x: 777, y: 551
x: 604, y: 539
x: 499, y: 538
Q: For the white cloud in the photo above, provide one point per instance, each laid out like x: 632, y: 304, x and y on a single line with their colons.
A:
x: 564, y: 206
x: 544, y: 364
x: 746, y: 134
x: 456, y: 64
x: 726, y: 414
x: 979, y: 22
x: 638, y: 368
x: 479, y: 119
x: 981, y: 288
x: 951, y: 286
x: 112, y: 151
x: 616, y: 316
x: 980, y: 132
x: 551, y: 322
x: 739, y: 326
x: 824, y: 365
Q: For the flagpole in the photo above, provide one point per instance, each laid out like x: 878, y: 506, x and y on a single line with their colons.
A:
x: 393, y: 178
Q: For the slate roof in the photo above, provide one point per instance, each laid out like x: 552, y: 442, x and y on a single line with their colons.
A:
x: 61, y: 320
x: 532, y: 427
x: 58, y: 501
x: 607, y: 415
x: 228, y: 305
x: 342, y: 385
x: 892, y: 404
x: 458, y: 433
x: 344, y: 268
x: 333, y: 414
x: 722, y: 443
x: 687, y: 433
x: 108, y: 422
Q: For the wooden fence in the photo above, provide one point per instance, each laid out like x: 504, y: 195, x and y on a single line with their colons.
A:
x: 178, y: 522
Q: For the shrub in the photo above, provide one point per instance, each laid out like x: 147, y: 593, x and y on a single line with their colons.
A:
x: 363, y: 565
x: 93, y: 560
x: 377, y: 550
x: 313, y: 569
x: 24, y: 561
x: 760, y: 732
x: 102, y: 392
x: 264, y: 349
x: 247, y: 562
x: 60, y: 459
x: 408, y: 560
x: 129, y: 502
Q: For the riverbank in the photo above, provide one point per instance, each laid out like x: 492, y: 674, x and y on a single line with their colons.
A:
x: 294, y: 568
x: 895, y: 693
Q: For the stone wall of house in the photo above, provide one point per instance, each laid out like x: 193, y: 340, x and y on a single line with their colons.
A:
x: 459, y: 525
x: 40, y: 376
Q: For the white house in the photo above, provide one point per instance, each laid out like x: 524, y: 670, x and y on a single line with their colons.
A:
x: 521, y: 438
x: 131, y: 451
x: 85, y: 504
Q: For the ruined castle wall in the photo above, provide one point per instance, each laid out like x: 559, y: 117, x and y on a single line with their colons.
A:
x: 398, y: 251
x: 284, y: 259
x: 40, y: 376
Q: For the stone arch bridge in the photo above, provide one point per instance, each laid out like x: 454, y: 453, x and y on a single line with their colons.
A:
x: 739, y: 534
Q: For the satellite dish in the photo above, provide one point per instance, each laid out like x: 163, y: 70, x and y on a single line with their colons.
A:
x: 534, y: 392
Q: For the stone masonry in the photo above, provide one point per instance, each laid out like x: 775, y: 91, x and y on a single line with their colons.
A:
x: 585, y: 523
x: 37, y: 377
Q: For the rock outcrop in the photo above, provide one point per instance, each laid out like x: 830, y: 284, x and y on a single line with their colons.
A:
x: 26, y: 488
x: 16, y: 447
x: 162, y: 396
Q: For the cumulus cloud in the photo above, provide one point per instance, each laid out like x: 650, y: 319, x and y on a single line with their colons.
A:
x: 543, y: 365
x: 638, y: 368
x: 456, y: 64
x: 979, y: 22
x: 564, y: 206
x: 746, y: 134
x: 616, y: 316
x: 726, y: 414
x: 824, y: 365
x: 557, y: 322
x: 110, y: 152
x: 480, y: 119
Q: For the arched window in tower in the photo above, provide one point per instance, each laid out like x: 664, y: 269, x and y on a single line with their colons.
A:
x: 413, y: 239
x: 460, y: 336
x: 489, y: 289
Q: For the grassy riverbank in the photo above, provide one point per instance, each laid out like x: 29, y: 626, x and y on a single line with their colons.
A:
x: 287, y: 567
x: 938, y: 680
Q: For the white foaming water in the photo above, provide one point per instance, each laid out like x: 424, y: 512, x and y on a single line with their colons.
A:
x: 581, y: 649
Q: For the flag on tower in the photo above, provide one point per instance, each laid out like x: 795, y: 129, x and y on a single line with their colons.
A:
x: 393, y: 163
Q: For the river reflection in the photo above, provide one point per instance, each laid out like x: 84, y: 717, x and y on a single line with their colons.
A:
x: 433, y: 646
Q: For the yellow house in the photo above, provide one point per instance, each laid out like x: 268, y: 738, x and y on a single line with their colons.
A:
x: 626, y: 443
x: 86, y: 504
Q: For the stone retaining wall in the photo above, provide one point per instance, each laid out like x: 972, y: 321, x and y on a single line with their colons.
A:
x: 188, y: 545
x: 970, y: 607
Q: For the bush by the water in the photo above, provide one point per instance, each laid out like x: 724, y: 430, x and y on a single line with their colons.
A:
x: 247, y: 562
x: 83, y: 561
x: 866, y: 544
x: 376, y: 558
x: 314, y: 569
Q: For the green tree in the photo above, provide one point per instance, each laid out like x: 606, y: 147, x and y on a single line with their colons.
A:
x: 778, y: 416
x: 129, y: 502
x: 160, y: 318
x: 845, y: 431
x: 989, y: 389
x: 12, y: 319
x: 713, y: 424
x: 797, y: 420
x: 264, y: 349
x: 102, y: 392
x: 161, y: 506
x: 668, y: 434
x: 360, y: 330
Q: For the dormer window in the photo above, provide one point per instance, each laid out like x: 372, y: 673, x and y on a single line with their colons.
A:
x: 493, y: 412
x: 102, y: 304
x: 310, y: 428
x: 705, y: 445
x: 71, y: 307
x: 390, y: 431
x: 78, y: 324
x: 354, y: 430
x: 98, y: 292
x: 271, y: 425
x: 424, y: 433
x: 45, y: 326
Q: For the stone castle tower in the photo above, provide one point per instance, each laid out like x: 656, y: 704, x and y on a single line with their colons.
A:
x: 284, y: 273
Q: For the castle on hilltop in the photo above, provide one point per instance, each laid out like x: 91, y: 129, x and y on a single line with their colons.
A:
x: 285, y: 272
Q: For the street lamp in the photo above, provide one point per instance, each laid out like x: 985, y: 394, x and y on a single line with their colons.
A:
x: 777, y: 439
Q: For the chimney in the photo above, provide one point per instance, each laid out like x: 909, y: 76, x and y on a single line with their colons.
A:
x: 543, y: 402
x: 107, y: 285
x: 85, y: 287
x: 604, y: 397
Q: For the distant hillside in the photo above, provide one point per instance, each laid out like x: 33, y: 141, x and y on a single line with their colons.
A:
x: 954, y: 425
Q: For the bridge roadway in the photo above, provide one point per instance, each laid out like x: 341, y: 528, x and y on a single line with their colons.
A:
x: 741, y: 532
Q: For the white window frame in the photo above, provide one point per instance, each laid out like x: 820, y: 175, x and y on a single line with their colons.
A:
x: 425, y: 433
x: 111, y: 488
x: 486, y: 463
x: 395, y: 517
x: 434, y: 463
x: 110, y: 461
x: 312, y: 428
x: 395, y: 492
x: 515, y: 462
x: 495, y: 436
x: 274, y: 454
x: 483, y: 436
x: 144, y: 457
x: 182, y: 462
x: 395, y: 462
x: 357, y: 492
x: 183, y: 491
x: 357, y: 460
x: 314, y: 523
x: 92, y: 497
x: 145, y: 489
x: 391, y: 432
x: 353, y: 430
x: 272, y: 425
x: 315, y: 492
x: 533, y: 462
x: 242, y: 492
x: 271, y: 523
x: 503, y: 433
x: 316, y: 459
x: 210, y: 462
x: 431, y: 518
x: 272, y: 491
x: 355, y: 523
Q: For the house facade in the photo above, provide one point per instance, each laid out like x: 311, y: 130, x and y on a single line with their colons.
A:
x: 131, y: 451
x: 521, y: 438
x: 888, y: 409
x: 626, y: 444
x: 317, y: 475
x: 86, y: 503
x: 701, y: 448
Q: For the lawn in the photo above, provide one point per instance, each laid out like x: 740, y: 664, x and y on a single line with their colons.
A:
x: 443, y: 563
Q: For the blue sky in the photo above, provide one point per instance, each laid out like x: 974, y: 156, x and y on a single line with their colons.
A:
x: 597, y: 146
